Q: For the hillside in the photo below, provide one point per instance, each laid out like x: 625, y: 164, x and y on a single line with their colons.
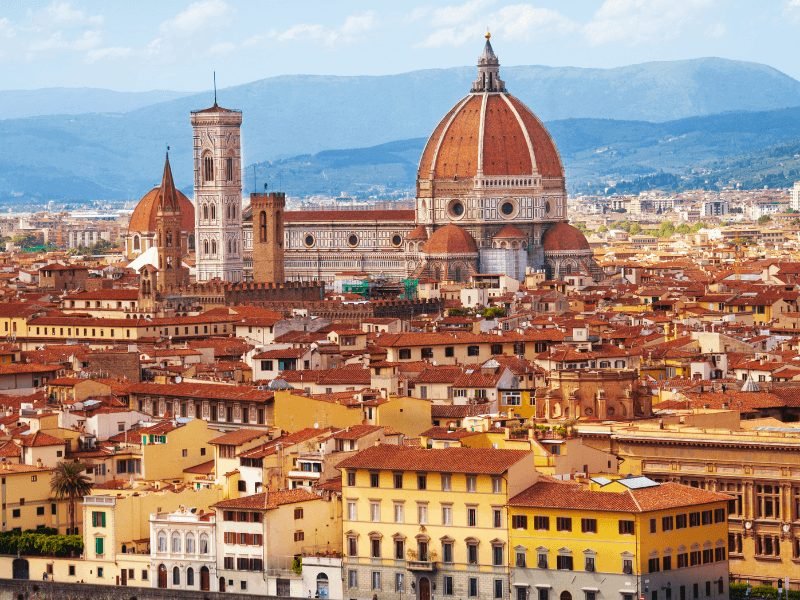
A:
x: 750, y: 149
x: 119, y: 155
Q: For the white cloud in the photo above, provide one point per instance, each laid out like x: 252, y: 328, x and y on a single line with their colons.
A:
x: 458, y: 13
x: 109, y: 53
x: 222, y: 48
x: 58, y: 41
x: 196, y: 17
x: 638, y: 21
x: 63, y: 14
x: 515, y: 21
x: 351, y: 28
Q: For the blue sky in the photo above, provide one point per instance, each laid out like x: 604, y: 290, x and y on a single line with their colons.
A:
x: 159, y: 44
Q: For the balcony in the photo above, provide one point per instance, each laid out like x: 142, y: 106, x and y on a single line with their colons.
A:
x: 420, y: 565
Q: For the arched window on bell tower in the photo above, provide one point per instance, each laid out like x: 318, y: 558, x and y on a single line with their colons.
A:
x: 169, y: 239
x: 214, y: 247
x: 262, y: 226
x: 213, y: 212
x: 208, y: 167
x: 205, y: 212
x: 205, y: 246
x: 229, y: 168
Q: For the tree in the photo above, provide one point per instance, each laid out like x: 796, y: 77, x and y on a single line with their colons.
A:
x: 764, y: 219
x: 70, y: 482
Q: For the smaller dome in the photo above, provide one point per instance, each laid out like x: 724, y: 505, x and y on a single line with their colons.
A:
x: 564, y: 237
x: 419, y: 233
x: 451, y: 239
x: 509, y: 232
x: 143, y: 218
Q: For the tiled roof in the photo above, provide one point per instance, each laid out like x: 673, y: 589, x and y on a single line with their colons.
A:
x: 355, y: 432
x: 458, y: 411
x: 350, y: 216
x: 205, y: 468
x: 202, y: 391
x: 238, y: 437
x: 268, y: 500
x: 452, y: 460
x: 568, y: 495
x: 39, y: 439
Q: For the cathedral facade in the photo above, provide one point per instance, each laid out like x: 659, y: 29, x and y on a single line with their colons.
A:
x: 490, y: 198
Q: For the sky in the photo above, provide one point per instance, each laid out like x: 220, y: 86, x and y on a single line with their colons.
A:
x: 177, y: 44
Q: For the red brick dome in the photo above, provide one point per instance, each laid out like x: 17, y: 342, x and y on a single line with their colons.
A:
x: 451, y: 239
x: 143, y: 218
x: 564, y: 237
x: 494, y: 133
x: 419, y: 233
x: 509, y: 232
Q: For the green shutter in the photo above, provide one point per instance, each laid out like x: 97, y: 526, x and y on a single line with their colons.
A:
x: 98, y: 546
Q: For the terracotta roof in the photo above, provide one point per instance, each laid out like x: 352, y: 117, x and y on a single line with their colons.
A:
x: 355, y: 432
x: 238, y: 437
x: 567, y: 495
x: 508, y: 232
x: 205, y: 468
x: 510, y: 132
x: 450, y: 239
x: 418, y: 233
x: 143, y: 218
x: 450, y: 460
x: 458, y: 411
x: 268, y: 500
x: 202, y: 391
x: 39, y: 439
x: 563, y: 236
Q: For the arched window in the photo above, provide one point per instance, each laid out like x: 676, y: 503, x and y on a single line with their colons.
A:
x: 190, y: 577
x: 205, y: 211
x: 322, y: 585
x: 136, y: 242
x: 190, y: 548
x: 190, y: 241
x: 176, y: 542
x: 214, y: 247
x: 169, y: 239
x: 176, y: 576
x: 262, y: 226
x: 233, y: 211
x: 229, y: 169
x: 213, y: 212
x: 230, y: 246
x: 205, y: 246
x: 162, y: 541
x: 203, y: 544
x: 208, y: 167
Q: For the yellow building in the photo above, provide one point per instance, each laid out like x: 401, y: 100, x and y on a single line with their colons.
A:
x: 116, y: 533
x: 170, y: 447
x: 416, y: 521
x: 624, y: 539
x: 710, y: 450
x: 26, y: 499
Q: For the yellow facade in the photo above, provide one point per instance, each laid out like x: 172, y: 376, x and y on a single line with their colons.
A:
x: 293, y: 412
x: 183, y: 447
x: 27, y: 502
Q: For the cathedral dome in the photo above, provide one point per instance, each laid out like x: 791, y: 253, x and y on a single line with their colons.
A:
x: 451, y: 239
x: 143, y: 218
x: 489, y: 133
x: 419, y: 233
x: 509, y: 232
x: 563, y: 237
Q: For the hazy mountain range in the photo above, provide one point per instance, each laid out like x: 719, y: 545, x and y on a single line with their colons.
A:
x: 626, y: 122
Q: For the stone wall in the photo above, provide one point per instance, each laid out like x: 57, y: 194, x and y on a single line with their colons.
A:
x: 23, y: 589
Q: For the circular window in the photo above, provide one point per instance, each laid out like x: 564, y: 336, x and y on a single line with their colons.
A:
x: 397, y: 240
x: 507, y: 208
x: 456, y: 209
x: 352, y: 240
x: 309, y: 240
x: 547, y: 207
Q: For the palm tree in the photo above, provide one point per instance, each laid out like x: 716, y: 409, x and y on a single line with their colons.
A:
x: 70, y: 481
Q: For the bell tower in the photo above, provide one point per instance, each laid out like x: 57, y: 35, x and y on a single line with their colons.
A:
x: 172, y: 275
x: 268, y: 237
x: 218, y: 193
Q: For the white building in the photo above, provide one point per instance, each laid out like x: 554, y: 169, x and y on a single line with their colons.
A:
x: 795, y: 202
x: 183, y: 550
x: 218, y: 193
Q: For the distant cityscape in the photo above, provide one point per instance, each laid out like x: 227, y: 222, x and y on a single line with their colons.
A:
x: 481, y: 386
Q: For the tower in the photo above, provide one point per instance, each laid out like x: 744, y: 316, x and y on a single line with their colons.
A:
x: 218, y: 193
x: 268, y: 237
x: 172, y: 275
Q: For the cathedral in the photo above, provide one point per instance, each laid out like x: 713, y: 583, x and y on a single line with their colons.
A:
x: 490, y: 198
